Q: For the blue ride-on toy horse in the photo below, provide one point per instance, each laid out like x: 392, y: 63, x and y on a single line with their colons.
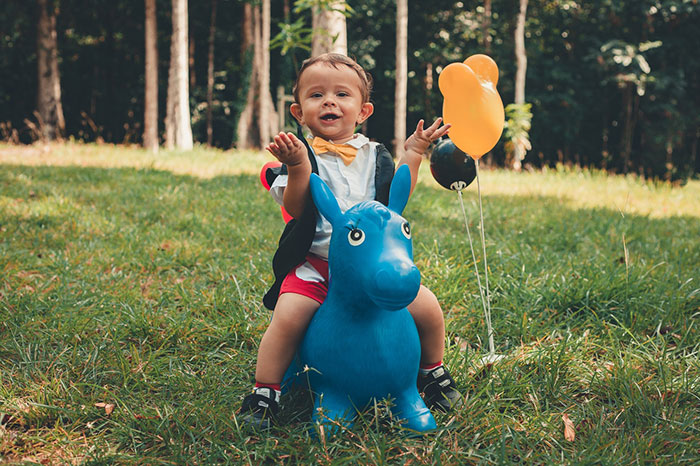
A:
x: 362, y: 344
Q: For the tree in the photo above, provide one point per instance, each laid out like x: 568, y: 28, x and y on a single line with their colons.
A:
x: 519, y: 115
x: 329, y: 28
x: 49, y: 106
x: 266, y: 106
x: 520, y: 56
x: 631, y: 73
x: 486, y: 27
x: 150, y: 118
x: 595, y: 102
x: 401, y: 77
x: 249, y: 56
x: 210, y: 72
x: 178, y: 130
x: 258, y: 120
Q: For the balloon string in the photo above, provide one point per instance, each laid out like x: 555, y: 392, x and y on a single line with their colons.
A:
x: 489, y: 328
x: 476, y: 267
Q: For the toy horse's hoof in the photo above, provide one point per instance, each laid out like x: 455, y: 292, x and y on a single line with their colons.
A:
x: 420, y: 424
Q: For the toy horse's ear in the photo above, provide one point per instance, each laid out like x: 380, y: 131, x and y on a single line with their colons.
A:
x: 324, y: 199
x: 400, y: 189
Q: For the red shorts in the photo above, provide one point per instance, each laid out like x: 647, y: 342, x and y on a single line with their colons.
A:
x: 308, y: 279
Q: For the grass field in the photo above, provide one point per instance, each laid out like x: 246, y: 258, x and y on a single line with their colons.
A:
x: 130, y: 313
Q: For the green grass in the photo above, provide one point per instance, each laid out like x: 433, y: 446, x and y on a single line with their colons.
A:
x: 135, y: 280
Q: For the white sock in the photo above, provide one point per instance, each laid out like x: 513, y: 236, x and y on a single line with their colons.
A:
x: 267, y: 391
x: 427, y: 371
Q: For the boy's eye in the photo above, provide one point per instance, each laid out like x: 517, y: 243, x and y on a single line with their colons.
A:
x: 316, y: 94
x: 343, y: 94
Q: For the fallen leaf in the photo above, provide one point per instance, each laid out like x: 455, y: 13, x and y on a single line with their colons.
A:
x: 569, y: 432
x: 108, y: 407
x: 462, y: 343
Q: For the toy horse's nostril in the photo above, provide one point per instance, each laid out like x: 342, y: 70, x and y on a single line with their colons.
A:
x: 396, y: 287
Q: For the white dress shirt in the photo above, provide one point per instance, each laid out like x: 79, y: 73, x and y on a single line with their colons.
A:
x: 351, y: 184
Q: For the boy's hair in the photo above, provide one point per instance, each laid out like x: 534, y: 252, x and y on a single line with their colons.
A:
x: 336, y: 60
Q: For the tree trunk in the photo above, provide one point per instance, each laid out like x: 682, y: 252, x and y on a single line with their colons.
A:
x: 244, y: 138
x: 694, y: 153
x: 150, y: 117
x: 264, y: 92
x: 247, y: 23
x: 178, y: 130
x: 49, y: 107
x: 210, y: 73
x: 190, y: 58
x: 631, y: 105
x: 520, y: 74
x: 428, y: 91
x: 401, y: 77
x: 520, y: 56
x: 485, y: 27
x: 254, y: 130
x: 329, y: 30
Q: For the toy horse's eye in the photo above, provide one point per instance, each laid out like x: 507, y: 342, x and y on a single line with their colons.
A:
x: 356, y: 237
x: 406, y: 229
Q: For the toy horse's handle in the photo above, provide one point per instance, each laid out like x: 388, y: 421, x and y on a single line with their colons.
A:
x: 327, y: 204
x: 400, y: 189
x: 324, y: 199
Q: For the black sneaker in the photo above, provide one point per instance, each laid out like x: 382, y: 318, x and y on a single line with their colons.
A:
x: 439, y: 390
x: 260, y: 408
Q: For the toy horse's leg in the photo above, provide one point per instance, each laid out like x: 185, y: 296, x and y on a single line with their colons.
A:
x: 333, y: 411
x: 410, y: 406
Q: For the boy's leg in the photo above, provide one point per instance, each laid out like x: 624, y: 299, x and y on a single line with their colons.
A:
x: 290, y: 319
x: 434, y: 380
x: 427, y: 314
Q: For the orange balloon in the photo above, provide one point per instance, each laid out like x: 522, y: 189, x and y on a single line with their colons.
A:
x: 472, y: 104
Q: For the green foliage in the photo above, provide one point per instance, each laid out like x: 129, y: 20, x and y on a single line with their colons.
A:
x: 292, y: 35
x: 627, y: 63
x: 130, y: 316
x: 298, y: 34
x: 613, y: 84
x: 324, y: 5
x: 517, y: 126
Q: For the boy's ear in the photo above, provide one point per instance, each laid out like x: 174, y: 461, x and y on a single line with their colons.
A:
x: 295, y: 110
x: 365, y: 112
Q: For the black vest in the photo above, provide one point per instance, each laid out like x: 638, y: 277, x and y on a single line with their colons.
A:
x: 299, y: 233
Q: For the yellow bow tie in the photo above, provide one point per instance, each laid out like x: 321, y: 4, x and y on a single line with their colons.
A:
x: 345, y: 151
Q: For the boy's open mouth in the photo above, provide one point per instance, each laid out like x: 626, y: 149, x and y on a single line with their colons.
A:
x: 329, y: 117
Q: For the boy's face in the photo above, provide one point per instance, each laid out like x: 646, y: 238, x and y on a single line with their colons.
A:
x: 330, y: 102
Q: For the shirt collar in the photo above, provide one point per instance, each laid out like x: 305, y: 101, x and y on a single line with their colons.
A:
x: 358, y: 141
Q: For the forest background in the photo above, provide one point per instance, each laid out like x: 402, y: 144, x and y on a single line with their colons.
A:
x: 612, y: 84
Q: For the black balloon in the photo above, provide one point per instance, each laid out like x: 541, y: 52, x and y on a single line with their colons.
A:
x: 451, y: 167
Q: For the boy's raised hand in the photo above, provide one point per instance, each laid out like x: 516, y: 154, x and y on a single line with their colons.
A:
x: 421, y: 138
x: 288, y: 149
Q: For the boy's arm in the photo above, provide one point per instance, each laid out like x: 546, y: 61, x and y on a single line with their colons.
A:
x: 289, y: 150
x: 418, y: 143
